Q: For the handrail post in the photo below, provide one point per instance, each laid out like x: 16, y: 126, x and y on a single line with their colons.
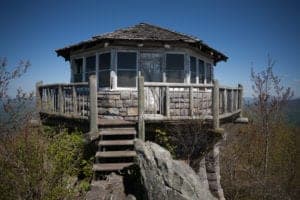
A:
x: 167, y: 101
x: 74, y: 100
x: 38, y: 96
x: 60, y: 99
x: 93, y: 117
x: 225, y: 100
x: 215, y: 105
x: 240, y: 98
x: 141, y: 101
x: 191, y: 99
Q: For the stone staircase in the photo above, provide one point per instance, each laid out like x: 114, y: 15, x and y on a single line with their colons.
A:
x: 115, y: 147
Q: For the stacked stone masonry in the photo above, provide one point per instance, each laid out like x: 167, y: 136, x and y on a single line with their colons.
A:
x: 118, y: 104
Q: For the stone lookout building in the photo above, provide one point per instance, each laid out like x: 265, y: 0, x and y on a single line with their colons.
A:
x: 124, y: 80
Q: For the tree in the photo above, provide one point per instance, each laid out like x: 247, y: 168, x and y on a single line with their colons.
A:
x: 258, y: 159
x: 269, y: 99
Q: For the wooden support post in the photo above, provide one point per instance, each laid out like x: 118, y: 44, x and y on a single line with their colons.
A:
x: 60, y: 99
x: 74, y: 100
x: 167, y: 101
x: 231, y: 100
x: 240, y: 96
x: 191, y: 101
x: 215, y: 105
x: 225, y: 100
x: 38, y: 96
x: 141, y: 102
x: 93, y: 117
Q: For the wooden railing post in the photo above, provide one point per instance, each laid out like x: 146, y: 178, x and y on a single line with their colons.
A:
x: 74, y: 100
x: 167, y: 101
x: 141, y: 102
x: 191, y: 101
x: 93, y: 117
x: 240, y: 97
x: 215, y: 105
x: 38, y: 96
x: 225, y: 100
x: 60, y: 100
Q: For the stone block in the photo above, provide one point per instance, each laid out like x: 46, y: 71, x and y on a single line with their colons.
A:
x: 113, y: 111
x: 125, y: 95
x: 119, y: 104
x: 134, y: 95
x: 132, y: 111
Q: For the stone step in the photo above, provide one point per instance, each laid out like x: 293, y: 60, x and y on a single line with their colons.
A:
x: 118, y: 131
x: 115, y: 142
x: 110, y: 166
x: 115, y: 154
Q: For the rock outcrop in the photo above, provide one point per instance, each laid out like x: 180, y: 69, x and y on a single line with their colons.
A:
x: 165, y: 178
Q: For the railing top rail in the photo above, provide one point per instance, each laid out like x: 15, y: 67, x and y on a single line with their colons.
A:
x: 223, y: 87
x: 63, y: 84
x: 184, y: 85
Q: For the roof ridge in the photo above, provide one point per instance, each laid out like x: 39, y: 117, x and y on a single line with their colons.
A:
x: 170, y: 30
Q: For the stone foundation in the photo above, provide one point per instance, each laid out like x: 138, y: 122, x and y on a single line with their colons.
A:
x: 213, y: 172
x: 118, y: 104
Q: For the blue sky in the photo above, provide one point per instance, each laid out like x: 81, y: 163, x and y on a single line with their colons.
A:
x: 246, y: 31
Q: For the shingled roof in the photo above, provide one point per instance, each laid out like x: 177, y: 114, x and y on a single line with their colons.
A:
x: 144, y: 32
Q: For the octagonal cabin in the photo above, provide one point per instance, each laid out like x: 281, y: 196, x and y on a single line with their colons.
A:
x: 143, y: 72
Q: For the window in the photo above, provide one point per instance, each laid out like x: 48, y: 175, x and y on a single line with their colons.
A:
x: 175, y: 68
x: 209, y: 73
x: 126, y: 69
x: 77, y: 70
x: 201, y: 71
x: 193, y: 69
x: 150, y: 66
x: 90, y: 66
x: 104, y: 70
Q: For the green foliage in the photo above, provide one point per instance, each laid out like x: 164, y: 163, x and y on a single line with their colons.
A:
x: 43, y: 164
x: 84, y: 186
x: 163, y: 139
x: 66, y: 150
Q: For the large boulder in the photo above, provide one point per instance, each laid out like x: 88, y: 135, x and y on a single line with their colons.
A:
x: 165, y: 178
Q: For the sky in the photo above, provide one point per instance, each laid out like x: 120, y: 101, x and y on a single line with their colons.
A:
x: 246, y: 31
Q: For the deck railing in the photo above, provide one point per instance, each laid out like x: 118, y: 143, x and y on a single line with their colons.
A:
x: 156, y: 101
x: 171, y: 101
x: 64, y: 99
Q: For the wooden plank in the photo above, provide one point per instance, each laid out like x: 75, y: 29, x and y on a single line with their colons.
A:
x: 115, y: 142
x: 110, y: 166
x: 118, y: 131
x: 115, y: 154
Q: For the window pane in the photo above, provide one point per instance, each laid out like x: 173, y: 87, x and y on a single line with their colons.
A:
x: 77, y: 78
x: 90, y: 63
x: 209, y: 73
x: 175, y: 76
x: 126, y: 78
x: 126, y: 60
x: 150, y: 66
x: 175, y: 62
x: 104, y: 78
x: 193, y: 69
x: 104, y: 61
x: 201, y: 71
x: 78, y: 66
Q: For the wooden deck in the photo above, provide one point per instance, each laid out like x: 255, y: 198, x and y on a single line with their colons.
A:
x: 151, y: 102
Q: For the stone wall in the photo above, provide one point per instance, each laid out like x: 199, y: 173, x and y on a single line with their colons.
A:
x: 124, y: 104
x: 180, y: 103
x: 118, y: 104
x: 213, y: 172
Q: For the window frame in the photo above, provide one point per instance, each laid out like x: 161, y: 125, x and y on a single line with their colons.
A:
x: 165, y: 66
x: 109, y: 69
x: 136, y: 69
